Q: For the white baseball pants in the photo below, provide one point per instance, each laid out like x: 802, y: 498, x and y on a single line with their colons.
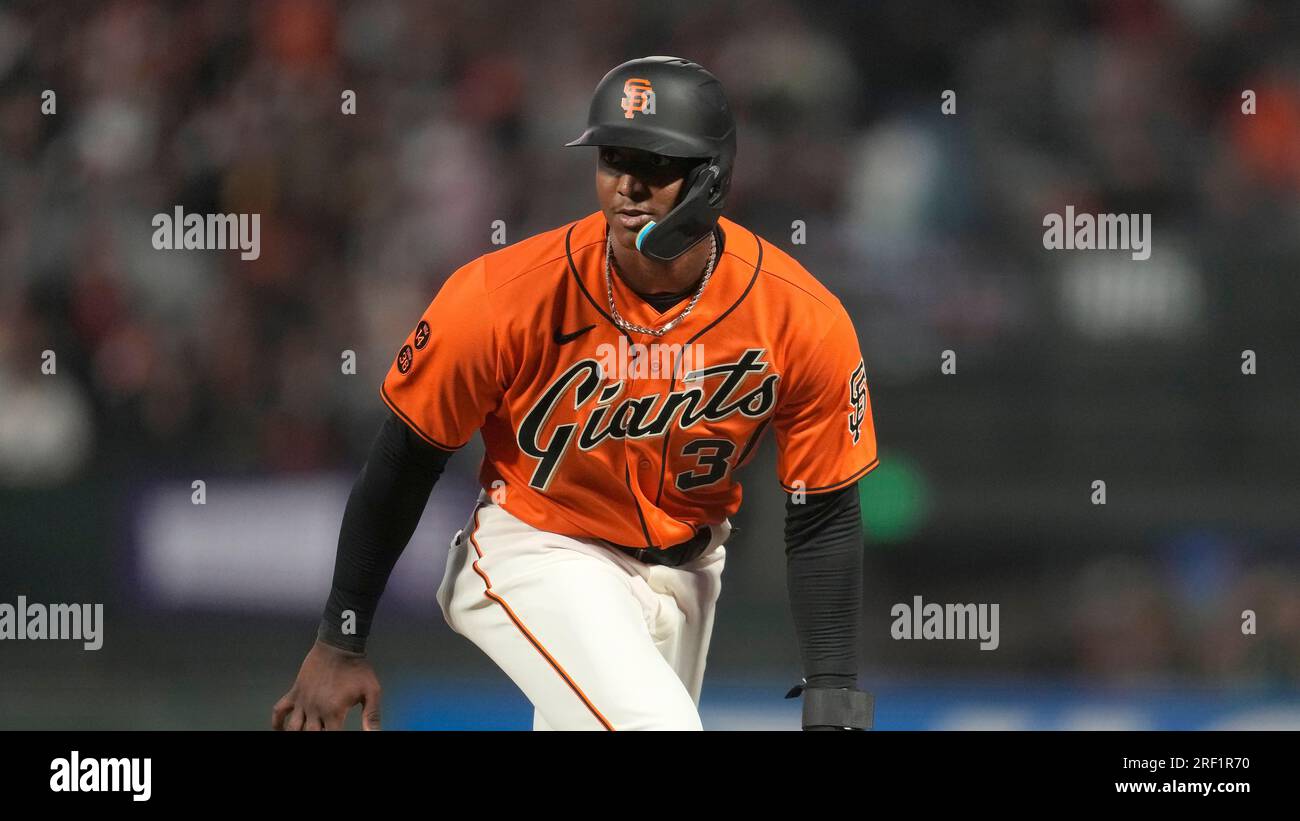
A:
x: 594, y: 638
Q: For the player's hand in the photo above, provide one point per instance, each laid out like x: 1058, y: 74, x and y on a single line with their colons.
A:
x: 330, y: 682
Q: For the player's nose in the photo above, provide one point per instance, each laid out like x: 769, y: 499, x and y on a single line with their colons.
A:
x: 632, y: 186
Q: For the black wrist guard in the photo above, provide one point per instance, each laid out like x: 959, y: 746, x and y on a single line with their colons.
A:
x: 839, y: 709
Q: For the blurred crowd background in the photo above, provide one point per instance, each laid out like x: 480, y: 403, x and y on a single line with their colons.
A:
x: 1072, y: 367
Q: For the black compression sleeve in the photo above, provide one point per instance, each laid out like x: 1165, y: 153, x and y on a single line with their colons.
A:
x: 383, y: 509
x: 823, y: 545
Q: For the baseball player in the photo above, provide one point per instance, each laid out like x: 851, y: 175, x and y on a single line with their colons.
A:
x: 621, y: 370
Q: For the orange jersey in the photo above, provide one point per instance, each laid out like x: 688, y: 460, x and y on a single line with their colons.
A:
x: 632, y: 438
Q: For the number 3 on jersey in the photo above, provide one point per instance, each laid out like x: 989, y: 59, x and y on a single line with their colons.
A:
x: 711, y: 457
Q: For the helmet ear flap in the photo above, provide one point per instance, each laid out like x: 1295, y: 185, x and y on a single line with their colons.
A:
x: 695, y: 214
x: 714, y: 194
x: 693, y: 177
x: 694, y: 174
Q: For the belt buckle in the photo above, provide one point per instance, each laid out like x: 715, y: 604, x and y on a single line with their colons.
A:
x: 705, y: 536
x: 675, y: 556
x: 691, y: 549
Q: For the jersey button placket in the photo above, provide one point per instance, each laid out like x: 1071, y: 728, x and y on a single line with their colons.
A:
x: 637, y: 387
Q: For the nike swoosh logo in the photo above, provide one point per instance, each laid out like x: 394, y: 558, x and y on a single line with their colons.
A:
x: 564, y: 339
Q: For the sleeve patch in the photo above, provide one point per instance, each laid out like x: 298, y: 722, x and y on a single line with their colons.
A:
x: 857, y: 400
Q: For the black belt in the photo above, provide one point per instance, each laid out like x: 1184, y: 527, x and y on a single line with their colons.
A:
x: 675, y: 556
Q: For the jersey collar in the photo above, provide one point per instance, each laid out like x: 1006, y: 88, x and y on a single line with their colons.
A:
x: 733, y: 278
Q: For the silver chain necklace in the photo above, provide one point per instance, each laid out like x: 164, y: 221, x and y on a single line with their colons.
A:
x: 672, y: 323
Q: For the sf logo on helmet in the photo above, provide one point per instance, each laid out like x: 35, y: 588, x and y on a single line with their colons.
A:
x: 638, y: 96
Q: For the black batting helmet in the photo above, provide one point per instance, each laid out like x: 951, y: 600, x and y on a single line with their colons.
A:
x: 669, y: 106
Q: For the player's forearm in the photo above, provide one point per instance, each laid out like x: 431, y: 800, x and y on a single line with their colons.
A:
x: 383, y: 510
x: 824, y: 577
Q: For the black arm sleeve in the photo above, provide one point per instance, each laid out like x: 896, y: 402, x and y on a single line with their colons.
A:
x: 386, y: 503
x: 823, y: 546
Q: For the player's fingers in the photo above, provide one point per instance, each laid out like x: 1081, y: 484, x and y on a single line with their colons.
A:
x: 313, y: 723
x: 279, y: 712
x: 295, y: 720
x: 334, y: 720
x: 370, y: 709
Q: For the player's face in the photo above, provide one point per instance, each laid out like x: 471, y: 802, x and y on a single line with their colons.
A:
x: 635, y: 186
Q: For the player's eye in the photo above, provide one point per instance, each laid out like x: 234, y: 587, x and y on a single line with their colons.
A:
x: 640, y: 163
